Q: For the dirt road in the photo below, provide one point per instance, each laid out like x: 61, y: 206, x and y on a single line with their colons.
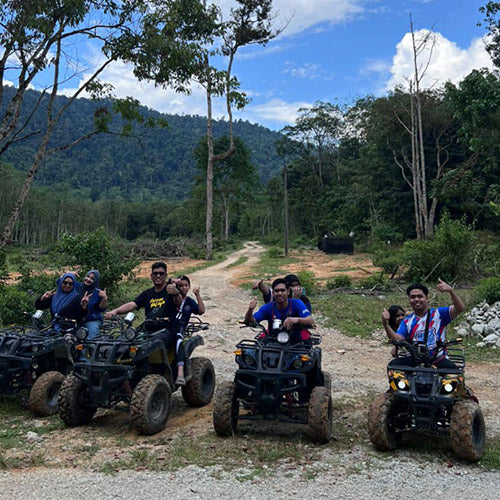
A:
x: 358, y: 372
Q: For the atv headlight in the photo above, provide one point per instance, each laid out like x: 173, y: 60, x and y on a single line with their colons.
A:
x: 249, y: 360
x: 130, y: 333
x: 81, y: 333
x: 297, y: 364
x: 283, y: 337
x: 449, y: 385
x: 399, y: 382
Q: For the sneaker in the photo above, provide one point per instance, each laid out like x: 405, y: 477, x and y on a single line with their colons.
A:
x: 180, y: 380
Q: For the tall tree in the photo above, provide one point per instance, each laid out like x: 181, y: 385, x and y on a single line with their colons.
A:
x: 183, y: 42
x: 35, y: 35
x: 317, y: 128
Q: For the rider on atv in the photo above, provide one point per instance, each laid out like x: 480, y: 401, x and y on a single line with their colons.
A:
x: 426, y: 325
x: 160, y: 301
x: 292, y: 314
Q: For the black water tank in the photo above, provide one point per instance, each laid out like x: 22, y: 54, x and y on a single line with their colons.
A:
x: 336, y: 245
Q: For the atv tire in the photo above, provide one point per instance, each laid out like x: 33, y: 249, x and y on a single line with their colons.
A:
x: 150, y: 404
x: 44, y: 394
x: 321, y: 414
x: 467, y: 430
x: 199, y: 390
x: 327, y: 380
x: 74, y: 407
x: 226, y: 409
x: 380, y: 429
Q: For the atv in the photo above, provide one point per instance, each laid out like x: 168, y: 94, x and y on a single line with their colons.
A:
x: 429, y: 400
x: 132, y: 366
x: 36, y: 359
x: 276, y: 380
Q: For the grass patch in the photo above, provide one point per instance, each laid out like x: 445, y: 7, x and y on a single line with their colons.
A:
x: 354, y: 315
x: 241, y: 260
x: 491, y: 457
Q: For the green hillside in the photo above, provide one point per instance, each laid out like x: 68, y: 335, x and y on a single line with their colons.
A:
x: 151, y: 163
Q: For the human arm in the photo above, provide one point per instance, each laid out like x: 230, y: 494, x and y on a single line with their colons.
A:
x: 263, y: 289
x: 174, y: 292
x: 306, y: 321
x: 123, y: 309
x: 458, y: 305
x: 391, y: 334
x: 199, y: 300
x: 45, y: 301
x: 249, y: 317
x: 103, y: 299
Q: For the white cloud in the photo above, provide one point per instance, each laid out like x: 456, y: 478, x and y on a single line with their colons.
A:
x: 310, y: 71
x: 276, y: 112
x: 304, y: 14
x: 448, y: 62
x: 165, y: 100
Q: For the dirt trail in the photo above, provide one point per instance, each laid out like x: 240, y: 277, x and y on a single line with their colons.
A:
x: 357, y: 365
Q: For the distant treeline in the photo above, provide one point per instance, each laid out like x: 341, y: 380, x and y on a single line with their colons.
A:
x: 356, y: 179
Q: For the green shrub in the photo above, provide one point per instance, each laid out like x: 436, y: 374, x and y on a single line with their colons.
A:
x: 488, y: 290
x: 377, y: 280
x: 389, y: 259
x: 274, y: 253
x: 446, y: 256
x: 97, y: 250
x: 13, y: 304
x: 341, y: 281
x: 308, y: 282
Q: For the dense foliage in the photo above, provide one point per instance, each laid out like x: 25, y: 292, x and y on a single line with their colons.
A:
x: 150, y: 163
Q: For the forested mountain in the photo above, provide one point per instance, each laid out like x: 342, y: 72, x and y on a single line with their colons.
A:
x: 150, y: 163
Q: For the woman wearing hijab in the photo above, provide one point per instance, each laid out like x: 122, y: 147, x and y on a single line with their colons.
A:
x: 97, y: 303
x: 68, y: 301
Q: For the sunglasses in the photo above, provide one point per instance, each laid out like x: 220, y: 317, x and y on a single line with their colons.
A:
x: 158, y: 273
x: 67, y: 283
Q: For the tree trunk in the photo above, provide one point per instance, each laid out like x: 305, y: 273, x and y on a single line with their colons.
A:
x: 285, y: 208
x: 210, y: 175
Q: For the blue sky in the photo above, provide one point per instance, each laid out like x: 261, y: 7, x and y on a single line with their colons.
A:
x: 331, y: 50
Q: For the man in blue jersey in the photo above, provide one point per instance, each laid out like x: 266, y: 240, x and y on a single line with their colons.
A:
x: 427, y: 325
x: 293, y: 313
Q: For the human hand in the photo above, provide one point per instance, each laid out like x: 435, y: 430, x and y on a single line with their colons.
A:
x: 85, y: 300
x: 103, y: 294
x: 172, y: 289
x: 110, y: 314
x: 48, y: 294
x: 296, y: 292
x: 253, y: 304
x: 385, y: 317
x: 443, y: 287
x: 196, y: 290
x: 289, y: 322
x: 256, y: 285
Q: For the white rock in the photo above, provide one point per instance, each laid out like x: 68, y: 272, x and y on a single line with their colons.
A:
x: 481, y: 344
x: 462, y: 332
x: 478, y: 329
x: 494, y: 323
x: 491, y: 339
x: 33, y: 437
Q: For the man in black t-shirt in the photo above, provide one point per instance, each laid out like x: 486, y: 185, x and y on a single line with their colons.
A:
x: 161, y: 301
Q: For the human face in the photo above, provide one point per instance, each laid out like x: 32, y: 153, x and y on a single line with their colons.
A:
x: 183, y: 287
x: 280, y: 293
x: 89, y: 279
x: 295, y: 290
x: 67, y: 285
x: 159, y: 277
x: 399, y: 317
x: 419, y: 302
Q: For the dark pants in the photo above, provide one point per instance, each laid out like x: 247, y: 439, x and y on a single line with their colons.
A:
x: 409, y: 361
